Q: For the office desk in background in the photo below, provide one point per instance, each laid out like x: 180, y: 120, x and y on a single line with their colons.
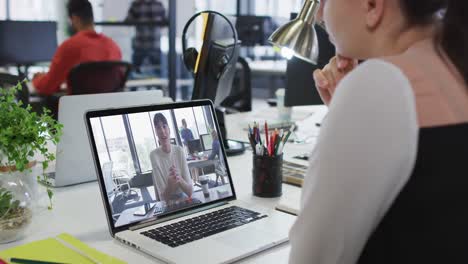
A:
x: 200, y: 163
x: 275, y: 71
x: 268, y: 67
x: 149, y: 82
x: 78, y: 209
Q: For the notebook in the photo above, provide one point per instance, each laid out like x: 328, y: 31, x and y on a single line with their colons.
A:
x: 290, y: 203
x: 53, y: 250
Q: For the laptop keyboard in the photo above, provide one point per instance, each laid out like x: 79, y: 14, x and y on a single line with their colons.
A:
x: 202, y: 226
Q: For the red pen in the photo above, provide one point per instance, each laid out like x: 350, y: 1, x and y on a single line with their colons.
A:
x: 272, y: 140
x: 266, y: 137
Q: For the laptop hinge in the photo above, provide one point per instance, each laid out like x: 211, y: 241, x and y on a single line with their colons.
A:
x: 171, y: 217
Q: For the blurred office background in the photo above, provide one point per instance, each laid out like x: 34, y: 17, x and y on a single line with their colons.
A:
x: 267, y: 68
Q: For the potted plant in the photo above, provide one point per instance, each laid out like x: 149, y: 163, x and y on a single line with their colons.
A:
x: 24, y: 134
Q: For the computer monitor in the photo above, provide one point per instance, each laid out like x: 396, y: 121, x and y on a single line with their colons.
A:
x: 217, y: 42
x: 194, y: 146
x: 207, y: 141
x: 254, y: 30
x: 27, y: 42
x: 300, y: 85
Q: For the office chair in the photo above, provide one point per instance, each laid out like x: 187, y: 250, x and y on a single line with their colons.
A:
x: 9, y: 80
x: 99, y: 77
x: 240, y: 99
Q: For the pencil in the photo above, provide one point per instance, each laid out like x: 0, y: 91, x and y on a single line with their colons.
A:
x: 266, y: 135
x: 32, y: 261
x: 288, y: 134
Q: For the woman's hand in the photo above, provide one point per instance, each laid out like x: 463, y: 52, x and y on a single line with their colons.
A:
x: 328, y: 78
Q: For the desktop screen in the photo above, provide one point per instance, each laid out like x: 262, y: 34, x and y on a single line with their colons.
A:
x: 300, y: 85
x: 146, y: 176
x: 27, y: 42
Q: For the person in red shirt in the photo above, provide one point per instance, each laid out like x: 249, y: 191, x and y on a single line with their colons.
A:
x: 85, y: 46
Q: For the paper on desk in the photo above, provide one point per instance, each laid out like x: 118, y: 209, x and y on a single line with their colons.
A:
x: 309, y: 128
x: 271, y: 116
x: 290, y: 202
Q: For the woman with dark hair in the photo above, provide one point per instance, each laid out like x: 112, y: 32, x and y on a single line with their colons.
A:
x: 388, y: 177
x: 171, y: 175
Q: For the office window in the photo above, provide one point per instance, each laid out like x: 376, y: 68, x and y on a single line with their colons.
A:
x: 3, y: 7
x: 100, y: 141
x: 117, y: 144
x: 276, y: 8
x: 144, y: 138
x: 226, y: 7
x: 201, y: 120
x: 33, y: 10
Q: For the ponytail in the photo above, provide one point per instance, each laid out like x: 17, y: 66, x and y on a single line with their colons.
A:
x: 454, y: 35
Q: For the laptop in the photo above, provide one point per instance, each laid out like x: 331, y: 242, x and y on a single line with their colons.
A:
x: 197, y: 220
x: 73, y: 156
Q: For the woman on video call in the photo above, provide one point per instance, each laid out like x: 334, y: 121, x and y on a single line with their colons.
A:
x: 171, y: 176
x: 388, y: 177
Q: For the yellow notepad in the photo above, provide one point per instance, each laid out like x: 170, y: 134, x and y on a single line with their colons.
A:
x: 52, y: 250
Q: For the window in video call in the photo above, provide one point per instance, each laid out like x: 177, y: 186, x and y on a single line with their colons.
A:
x: 154, y: 163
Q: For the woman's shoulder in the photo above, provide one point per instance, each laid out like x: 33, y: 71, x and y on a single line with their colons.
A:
x: 374, y: 84
x: 376, y: 76
x: 380, y: 66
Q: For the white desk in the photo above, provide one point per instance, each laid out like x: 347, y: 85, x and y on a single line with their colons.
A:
x: 78, y: 210
x: 132, y: 83
x: 156, y: 82
x: 200, y: 163
x: 268, y: 67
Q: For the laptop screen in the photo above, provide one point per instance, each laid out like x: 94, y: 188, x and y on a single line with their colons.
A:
x: 155, y: 160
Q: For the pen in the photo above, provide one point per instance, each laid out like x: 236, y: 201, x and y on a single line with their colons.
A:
x: 280, y: 148
x: 32, y: 261
x: 273, y: 142
x: 288, y: 134
x: 259, y: 149
x: 252, y: 144
x: 277, y: 142
x: 266, y: 135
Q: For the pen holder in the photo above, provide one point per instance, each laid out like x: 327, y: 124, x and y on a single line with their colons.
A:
x: 267, y: 175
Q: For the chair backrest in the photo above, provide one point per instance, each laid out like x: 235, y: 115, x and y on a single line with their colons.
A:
x: 99, y: 77
x: 240, y: 98
x: 9, y: 80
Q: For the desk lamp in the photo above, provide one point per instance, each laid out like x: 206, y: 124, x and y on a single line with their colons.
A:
x: 298, y: 37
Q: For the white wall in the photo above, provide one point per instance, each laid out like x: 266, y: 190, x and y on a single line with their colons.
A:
x: 33, y: 10
x: 2, y: 9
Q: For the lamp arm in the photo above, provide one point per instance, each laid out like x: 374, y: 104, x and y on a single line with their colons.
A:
x: 309, y: 11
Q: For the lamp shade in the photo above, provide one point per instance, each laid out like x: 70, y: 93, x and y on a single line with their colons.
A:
x: 298, y: 37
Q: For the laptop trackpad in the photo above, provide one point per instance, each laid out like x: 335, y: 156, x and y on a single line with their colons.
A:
x: 249, y: 238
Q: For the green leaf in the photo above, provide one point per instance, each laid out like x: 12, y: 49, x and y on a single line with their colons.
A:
x: 22, y: 134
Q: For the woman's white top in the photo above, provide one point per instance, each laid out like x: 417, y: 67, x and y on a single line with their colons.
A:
x: 364, y: 155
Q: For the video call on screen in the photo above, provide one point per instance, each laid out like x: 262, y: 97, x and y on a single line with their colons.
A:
x: 154, y: 163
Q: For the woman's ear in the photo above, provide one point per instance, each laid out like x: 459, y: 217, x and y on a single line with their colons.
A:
x: 319, y: 17
x: 374, y: 11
